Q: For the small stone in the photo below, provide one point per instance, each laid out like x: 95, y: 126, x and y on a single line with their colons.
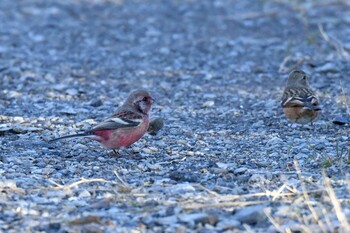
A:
x: 274, y: 141
x: 59, y: 87
x: 96, y: 103
x: 182, y: 188
x: 208, y: 104
x: 84, y: 193
x: 301, y: 155
x: 92, y: 228
x: 251, y: 215
x: 228, y: 224
x: 72, y: 91
x: 5, y: 128
x: 164, y: 50
x: 169, y: 220
x: 209, y: 96
x: 85, y: 220
x: 225, y: 165
x: 23, y: 129
x: 68, y: 111
x: 8, y: 184
x: 327, y: 68
x: 53, y: 227
x: 146, y: 150
x: 340, y: 120
x: 257, y: 178
x: 196, y: 218
x: 240, y: 170
x: 152, y: 32
x: 283, y: 211
x: 18, y: 119
x: 258, y: 124
x: 183, y: 176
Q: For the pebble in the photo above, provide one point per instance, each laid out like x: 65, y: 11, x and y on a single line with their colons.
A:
x: 182, y: 188
x: 328, y: 68
x: 169, y: 220
x: 72, y: 91
x: 96, y: 103
x: 84, y: 194
x: 240, y: 170
x: 228, y: 224
x: 5, y: 128
x: 341, y: 120
x: 208, y: 104
x: 275, y: 141
x: 257, y: 178
x: 196, y: 218
x: 251, y: 214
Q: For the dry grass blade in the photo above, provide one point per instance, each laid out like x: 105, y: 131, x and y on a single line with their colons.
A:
x: 224, y: 204
x: 335, y: 43
x: 338, y: 209
x: 267, y: 212
x: 283, y: 68
x: 12, y: 189
x: 326, y: 216
x: 248, y: 228
x: 207, y: 190
x: 123, y: 186
x: 120, y: 179
x: 81, y: 181
x: 252, y: 15
x: 307, y: 198
x: 344, y: 97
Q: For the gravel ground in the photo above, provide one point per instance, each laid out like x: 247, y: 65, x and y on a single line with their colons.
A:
x: 226, y: 160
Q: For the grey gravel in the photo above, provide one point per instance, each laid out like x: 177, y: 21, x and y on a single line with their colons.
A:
x: 251, y: 215
x: 217, y: 70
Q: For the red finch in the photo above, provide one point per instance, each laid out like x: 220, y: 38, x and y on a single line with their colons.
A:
x: 299, y: 103
x: 127, y: 125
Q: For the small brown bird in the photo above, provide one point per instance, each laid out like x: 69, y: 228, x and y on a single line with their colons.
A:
x: 155, y: 125
x: 299, y: 103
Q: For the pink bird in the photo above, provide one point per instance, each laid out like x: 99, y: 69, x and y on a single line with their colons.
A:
x: 127, y: 125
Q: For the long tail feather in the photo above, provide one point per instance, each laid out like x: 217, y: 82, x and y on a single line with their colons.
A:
x: 70, y: 136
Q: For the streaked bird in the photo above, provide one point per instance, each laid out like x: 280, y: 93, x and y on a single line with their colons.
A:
x: 299, y: 102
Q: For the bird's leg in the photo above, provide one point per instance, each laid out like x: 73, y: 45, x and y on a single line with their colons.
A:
x: 127, y: 152
x: 132, y: 153
x: 135, y: 150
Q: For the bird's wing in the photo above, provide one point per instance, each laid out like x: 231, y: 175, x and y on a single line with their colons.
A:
x: 120, y: 120
x: 301, y: 97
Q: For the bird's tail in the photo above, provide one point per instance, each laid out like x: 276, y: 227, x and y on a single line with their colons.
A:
x: 71, y: 136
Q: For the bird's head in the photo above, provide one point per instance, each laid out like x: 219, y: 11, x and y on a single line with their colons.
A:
x: 298, y: 78
x: 140, y: 100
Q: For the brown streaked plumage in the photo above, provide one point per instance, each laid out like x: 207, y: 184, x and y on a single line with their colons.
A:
x: 299, y: 102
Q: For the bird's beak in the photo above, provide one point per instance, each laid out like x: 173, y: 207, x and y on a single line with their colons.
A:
x: 312, y: 107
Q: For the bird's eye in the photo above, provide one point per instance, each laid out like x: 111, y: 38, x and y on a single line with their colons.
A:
x: 145, y: 98
x: 304, y: 77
